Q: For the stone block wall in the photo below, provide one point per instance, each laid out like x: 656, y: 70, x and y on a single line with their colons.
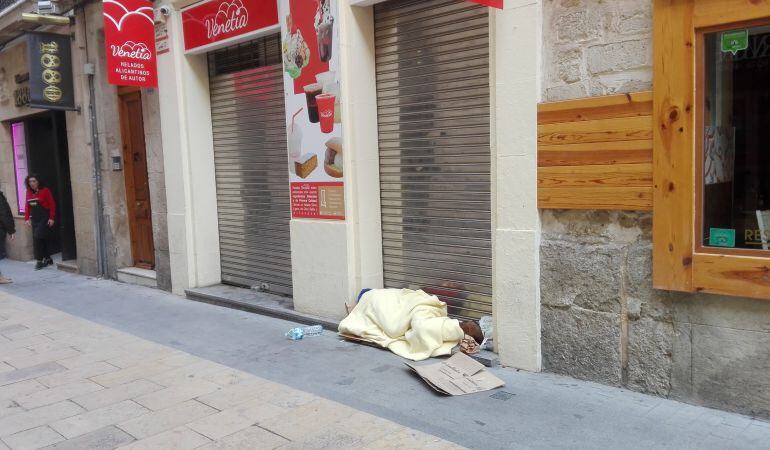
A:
x: 13, y: 61
x: 88, y: 47
x: 155, y: 173
x: 601, y: 319
x: 596, y: 47
x: 21, y: 247
x: 81, y: 159
x: 115, y: 214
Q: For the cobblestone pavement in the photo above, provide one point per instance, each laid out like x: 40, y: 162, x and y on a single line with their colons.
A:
x: 67, y: 383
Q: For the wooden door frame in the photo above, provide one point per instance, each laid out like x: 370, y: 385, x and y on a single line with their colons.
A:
x: 128, y: 170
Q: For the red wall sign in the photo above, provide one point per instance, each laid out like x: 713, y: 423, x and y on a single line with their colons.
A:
x: 319, y: 200
x: 303, y: 20
x: 492, y: 3
x: 129, y: 39
x: 220, y: 20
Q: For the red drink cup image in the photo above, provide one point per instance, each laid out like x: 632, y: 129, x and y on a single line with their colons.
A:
x: 311, y: 92
x: 326, y: 111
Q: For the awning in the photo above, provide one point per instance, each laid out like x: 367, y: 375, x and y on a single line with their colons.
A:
x: 492, y: 3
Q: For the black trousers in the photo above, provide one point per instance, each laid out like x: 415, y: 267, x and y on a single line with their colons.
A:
x: 42, y: 248
x: 3, y: 235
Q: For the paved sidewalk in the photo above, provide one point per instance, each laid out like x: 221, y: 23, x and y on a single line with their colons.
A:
x: 539, y: 410
x: 67, y: 383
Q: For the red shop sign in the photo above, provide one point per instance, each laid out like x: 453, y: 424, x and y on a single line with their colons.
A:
x: 319, y: 200
x: 129, y: 39
x: 219, y: 21
x: 492, y: 3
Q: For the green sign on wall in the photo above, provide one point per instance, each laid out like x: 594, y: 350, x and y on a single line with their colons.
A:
x: 722, y: 237
x: 735, y: 41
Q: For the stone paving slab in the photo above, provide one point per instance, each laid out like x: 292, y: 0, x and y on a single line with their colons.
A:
x: 33, y: 438
x: 66, y: 383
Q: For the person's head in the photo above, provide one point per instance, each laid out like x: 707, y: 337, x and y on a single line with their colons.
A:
x: 473, y: 329
x: 33, y: 182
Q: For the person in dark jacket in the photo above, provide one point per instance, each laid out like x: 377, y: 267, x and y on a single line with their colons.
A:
x: 40, y: 214
x: 7, y: 230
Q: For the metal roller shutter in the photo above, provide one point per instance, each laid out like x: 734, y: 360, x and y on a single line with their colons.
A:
x: 433, y: 111
x: 250, y: 157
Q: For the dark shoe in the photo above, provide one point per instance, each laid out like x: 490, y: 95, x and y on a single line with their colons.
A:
x: 39, y: 265
x: 48, y: 262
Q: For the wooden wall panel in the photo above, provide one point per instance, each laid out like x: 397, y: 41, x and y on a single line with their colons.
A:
x: 732, y: 275
x: 673, y: 165
x: 596, y: 153
x: 718, y: 12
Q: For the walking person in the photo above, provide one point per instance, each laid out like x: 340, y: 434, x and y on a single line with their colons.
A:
x: 7, y: 230
x: 40, y: 214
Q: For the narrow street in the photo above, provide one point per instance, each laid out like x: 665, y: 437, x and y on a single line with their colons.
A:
x: 98, y: 364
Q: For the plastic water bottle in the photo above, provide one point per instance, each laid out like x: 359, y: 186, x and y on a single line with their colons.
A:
x: 295, y: 334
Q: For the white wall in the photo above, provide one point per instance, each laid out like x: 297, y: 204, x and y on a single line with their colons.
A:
x: 516, y: 42
x: 515, y: 48
x: 349, y: 256
x: 188, y: 155
x: 333, y: 261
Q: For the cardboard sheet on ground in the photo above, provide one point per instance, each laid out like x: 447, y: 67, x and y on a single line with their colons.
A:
x: 457, y: 375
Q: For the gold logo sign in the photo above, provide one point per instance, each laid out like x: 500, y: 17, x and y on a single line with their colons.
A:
x: 51, y: 61
x: 52, y: 93
x: 49, y: 47
x: 51, y: 76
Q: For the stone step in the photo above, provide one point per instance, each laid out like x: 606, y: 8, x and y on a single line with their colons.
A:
x: 68, y: 266
x: 262, y: 303
x: 138, y: 276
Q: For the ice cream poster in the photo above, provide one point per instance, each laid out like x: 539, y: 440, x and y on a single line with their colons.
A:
x: 311, y: 71
x: 719, y: 149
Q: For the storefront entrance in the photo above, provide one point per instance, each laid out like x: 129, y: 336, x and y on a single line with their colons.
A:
x: 40, y: 141
x: 250, y: 157
x: 138, y: 206
x: 434, y: 123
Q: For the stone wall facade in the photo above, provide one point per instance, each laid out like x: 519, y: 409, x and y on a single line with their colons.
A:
x: 88, y: 47
x: 115, y: 214
x: 13, y: 60
x: 596, y: 47
x: 601, y: 318
x: 157, y: 178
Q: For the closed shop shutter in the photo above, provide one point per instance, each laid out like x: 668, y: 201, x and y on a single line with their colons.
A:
x: 250, y: 156
x: 433, y: 110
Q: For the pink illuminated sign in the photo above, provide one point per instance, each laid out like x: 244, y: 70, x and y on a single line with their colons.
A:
x: 20, y: 161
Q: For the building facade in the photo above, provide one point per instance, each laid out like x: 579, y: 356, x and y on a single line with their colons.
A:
x: 412, y: 150
x: 603, y: 318
x: 459, y: 187
x: 538, y: 162
x: 102, y: 159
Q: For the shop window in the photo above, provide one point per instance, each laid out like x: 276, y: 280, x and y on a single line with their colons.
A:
x: 19, y: 143
x: 711, y: 147
x: 735, y: 138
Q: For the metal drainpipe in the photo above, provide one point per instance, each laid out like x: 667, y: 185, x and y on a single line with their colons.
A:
x: 101, y: 246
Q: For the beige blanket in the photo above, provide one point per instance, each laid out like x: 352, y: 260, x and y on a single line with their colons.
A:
x: 412, y: 324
